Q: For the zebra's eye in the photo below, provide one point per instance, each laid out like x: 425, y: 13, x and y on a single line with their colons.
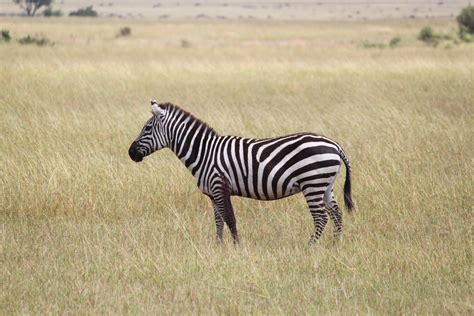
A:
x: 148, y: 128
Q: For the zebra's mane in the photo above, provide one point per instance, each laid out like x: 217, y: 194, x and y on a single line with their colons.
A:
x: 174, y: 108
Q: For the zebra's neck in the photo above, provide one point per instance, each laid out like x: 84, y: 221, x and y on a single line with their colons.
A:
x: 189, y: 138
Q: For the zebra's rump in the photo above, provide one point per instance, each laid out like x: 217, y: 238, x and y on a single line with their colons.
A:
x: 275, y: 168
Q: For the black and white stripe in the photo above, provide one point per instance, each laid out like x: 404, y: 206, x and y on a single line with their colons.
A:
x: 263, y: 169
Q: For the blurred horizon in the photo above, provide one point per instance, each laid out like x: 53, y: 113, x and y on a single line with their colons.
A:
x: 262, y: 9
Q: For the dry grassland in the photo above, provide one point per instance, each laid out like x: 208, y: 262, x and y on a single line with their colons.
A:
x: 86, y: 230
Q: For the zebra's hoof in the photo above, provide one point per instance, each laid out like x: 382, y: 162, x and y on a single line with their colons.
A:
x: 312, y: 241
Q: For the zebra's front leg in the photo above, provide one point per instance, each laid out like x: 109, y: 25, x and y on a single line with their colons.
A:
x: 219, y: 221
x: 229, y: 219
x: 223, y: 204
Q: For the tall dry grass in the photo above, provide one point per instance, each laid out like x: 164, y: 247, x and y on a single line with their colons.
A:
x: 86, y: 230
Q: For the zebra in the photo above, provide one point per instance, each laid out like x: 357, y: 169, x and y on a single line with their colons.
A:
x: 262, y: 169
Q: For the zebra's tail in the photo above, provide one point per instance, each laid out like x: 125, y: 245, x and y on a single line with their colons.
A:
x: 347, y: 184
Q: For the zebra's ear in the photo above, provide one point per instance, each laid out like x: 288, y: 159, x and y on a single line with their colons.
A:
x: 155, y: 109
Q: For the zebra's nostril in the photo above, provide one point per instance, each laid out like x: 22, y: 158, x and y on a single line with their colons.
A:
x: 134, y: 154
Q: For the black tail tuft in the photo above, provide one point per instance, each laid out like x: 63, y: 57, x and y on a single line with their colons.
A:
x: 347, y: 184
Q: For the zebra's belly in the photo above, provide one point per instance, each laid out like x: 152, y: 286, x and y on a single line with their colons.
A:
x: 260, y: 191
x: 291, y: 192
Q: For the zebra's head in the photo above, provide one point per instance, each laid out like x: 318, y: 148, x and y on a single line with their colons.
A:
x: 152, y: 136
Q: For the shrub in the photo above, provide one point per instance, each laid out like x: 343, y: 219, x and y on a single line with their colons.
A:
x: 428, y: 36
x: 125, y: 31
x: 185, y: 43
x: 394, y: 41
x: 38, y: 40
x: 467, y: 37
x: 5, y: 36
x: 367, y: 44
x: 48, y: 12
x: 466, y: 20
x: 87, y: 11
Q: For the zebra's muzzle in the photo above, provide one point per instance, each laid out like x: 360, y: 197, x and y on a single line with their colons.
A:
x: 134, y: 154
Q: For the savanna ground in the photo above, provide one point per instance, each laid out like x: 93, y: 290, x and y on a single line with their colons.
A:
x: 86, y: 230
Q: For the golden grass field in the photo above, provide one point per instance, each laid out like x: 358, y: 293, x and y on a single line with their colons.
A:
x: 84, y: 230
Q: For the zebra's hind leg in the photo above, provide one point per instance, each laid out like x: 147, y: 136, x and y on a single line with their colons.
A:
x: 314, y: 198
x: 332, y: 208
x: 335, y: 214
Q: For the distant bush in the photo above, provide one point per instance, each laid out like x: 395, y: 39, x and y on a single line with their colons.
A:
x: 48, y: 12
x: 466, y: 24
x: 185, y: 43
x: 394, y: 41
x: 38, y: 40
x: 88, y: 11
x: 466, y: 20
x: 428, y: 36
x: 5, y: 36
x: 467, y: 37
x: 367, y: 44
x: 392, y: 44
x: 125, y: 31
